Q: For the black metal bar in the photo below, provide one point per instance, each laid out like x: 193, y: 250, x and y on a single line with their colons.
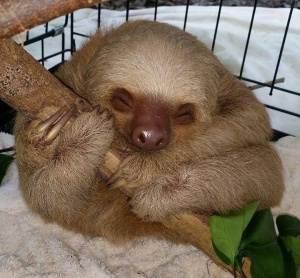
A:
x: 282, y: 45
x: 81, y: 35
x: 52, y: 33
x: 73, y: 42
x: 66, y: 20
x: 54, y: 54
x: 217, y: 25
x: 63, y: 47
x: 99, y: 15
x: 186, y: 14
x: 127, y: 9
x: 40, y: 37
x: 282, y: 110
x: 155, y: 10
x: 248, y: 38
x: 43, y: 52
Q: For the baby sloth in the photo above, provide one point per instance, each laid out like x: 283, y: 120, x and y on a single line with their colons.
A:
x: 192, y: 136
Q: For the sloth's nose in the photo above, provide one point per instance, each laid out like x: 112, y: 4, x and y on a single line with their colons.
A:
x: 150, y: 137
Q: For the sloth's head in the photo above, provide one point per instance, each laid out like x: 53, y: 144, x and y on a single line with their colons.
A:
x: 159, y: 82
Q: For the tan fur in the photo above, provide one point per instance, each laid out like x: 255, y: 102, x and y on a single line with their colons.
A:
x: 217, y: 163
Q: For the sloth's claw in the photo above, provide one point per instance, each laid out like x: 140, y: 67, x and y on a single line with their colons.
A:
x: 104, y: 112
x: 116, y: 181
x: 96, y: 109
x: 57, y: 127
x: 50, y: 128
x: 119, y: 183
x: 51, y: 120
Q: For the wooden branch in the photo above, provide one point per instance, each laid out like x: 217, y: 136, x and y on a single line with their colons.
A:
x: 26, y: 86
x: 17, y: 16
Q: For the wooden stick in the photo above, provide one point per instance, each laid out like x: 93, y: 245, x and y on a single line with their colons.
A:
x: 258, y: 86
x: 26, y: 86
x: 17, y: 16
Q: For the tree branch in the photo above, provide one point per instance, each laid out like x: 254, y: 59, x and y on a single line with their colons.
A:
x: 17, y: 16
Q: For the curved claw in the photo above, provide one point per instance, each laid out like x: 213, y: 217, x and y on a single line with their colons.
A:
x: 105, y: 113
x: 59, y: 124
x: 97, y: 109
x: 119, y: 183
x: 115, y: 180
x: 50, y: 121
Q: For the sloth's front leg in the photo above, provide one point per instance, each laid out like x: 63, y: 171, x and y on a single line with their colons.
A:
x: 58, y: 166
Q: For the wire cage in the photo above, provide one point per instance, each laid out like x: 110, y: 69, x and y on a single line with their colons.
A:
x: 40, y: 42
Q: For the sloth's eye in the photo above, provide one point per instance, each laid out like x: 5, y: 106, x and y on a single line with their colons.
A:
x: 185, y: 114
x: 122, y: 100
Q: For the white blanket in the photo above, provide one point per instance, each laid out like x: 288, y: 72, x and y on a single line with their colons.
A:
x: 31, y: 248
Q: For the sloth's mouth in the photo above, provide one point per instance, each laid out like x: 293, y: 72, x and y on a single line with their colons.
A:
x: 125, y: 148
x: 122, y: 146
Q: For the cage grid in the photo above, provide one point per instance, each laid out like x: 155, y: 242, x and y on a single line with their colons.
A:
x: 66, y: 52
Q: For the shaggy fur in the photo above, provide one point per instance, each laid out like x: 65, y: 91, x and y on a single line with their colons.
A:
x: 217, y: 159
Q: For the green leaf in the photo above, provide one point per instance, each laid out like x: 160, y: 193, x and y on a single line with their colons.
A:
x: 249, y: 212
x: 288, y: 225
x: 222, y: 256
x: 226, y: 232
x: 259, y: 243
x: 266, y: 261
x: 5, y: 161
x: 289, y: 230
x: 290, y: 267
x: 260, y: 230
x: 292, y: 244
x: 298, y: 273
